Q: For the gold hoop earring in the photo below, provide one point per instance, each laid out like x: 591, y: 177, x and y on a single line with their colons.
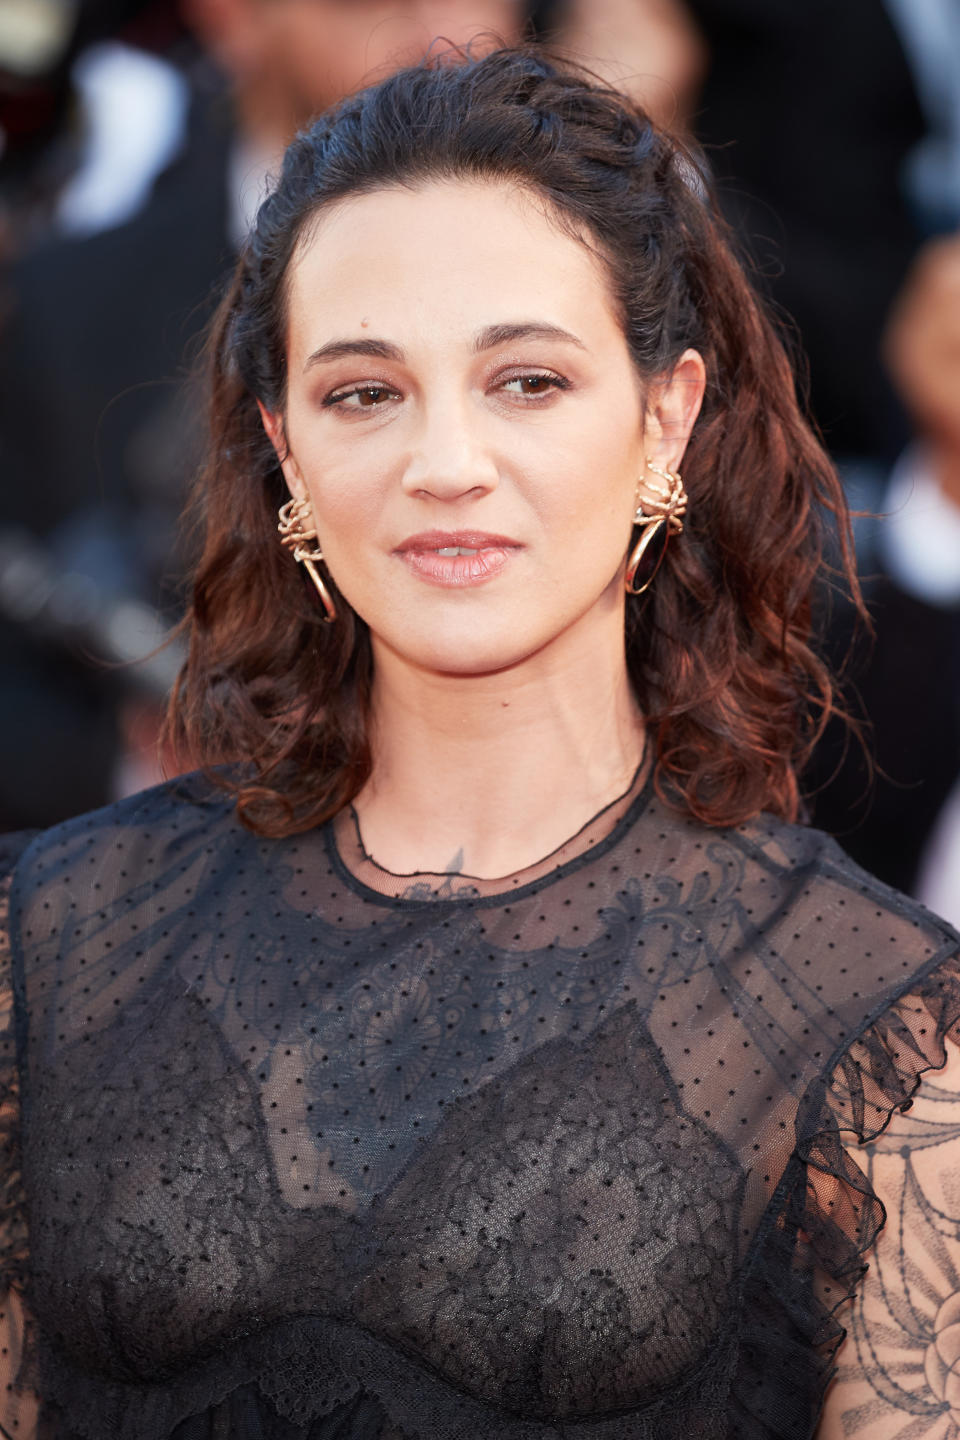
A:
x: 661, y: 511
x: 296, y: 528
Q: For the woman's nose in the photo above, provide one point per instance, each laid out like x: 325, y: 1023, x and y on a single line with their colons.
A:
x: 449, y: 459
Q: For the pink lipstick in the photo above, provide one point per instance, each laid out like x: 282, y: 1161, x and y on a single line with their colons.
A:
x: 457, y: 558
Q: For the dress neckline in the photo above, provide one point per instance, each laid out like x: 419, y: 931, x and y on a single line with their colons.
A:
x: 373, y: 881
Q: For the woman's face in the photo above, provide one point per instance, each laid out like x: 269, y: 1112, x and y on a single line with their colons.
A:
x: 464, y: 416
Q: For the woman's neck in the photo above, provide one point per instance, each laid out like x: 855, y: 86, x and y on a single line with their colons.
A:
x: 484, y: 775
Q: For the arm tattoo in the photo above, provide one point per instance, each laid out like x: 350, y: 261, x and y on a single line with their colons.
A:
x: 899, y: 1368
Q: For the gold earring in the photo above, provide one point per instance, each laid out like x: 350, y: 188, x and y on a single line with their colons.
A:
x: 661, y: 510
x: 296, y: 527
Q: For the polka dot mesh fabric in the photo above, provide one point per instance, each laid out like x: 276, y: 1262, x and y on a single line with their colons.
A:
x: 298, y: 1150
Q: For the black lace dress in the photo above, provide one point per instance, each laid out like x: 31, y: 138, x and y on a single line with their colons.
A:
x: 300, y: 1150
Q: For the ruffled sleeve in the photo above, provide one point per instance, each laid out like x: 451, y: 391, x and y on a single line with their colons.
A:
x: 822, y: 1227
x: 877, y: 1075
x: 18, y: 1401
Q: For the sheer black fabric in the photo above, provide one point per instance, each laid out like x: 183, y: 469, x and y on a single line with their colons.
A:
x: 296, y: 1149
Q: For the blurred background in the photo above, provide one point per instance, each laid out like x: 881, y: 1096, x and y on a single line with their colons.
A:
x: 136, y: 141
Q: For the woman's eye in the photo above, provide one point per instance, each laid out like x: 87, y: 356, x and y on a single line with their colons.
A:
x: 534, y: 385
x: 361, y: 397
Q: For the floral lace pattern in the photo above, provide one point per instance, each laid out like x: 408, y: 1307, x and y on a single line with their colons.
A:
x: 306, y: 1156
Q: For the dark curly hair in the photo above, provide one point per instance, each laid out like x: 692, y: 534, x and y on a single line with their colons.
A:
x: 719, y: 650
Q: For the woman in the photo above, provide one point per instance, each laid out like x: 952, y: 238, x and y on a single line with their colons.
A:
x: 473, y: 1052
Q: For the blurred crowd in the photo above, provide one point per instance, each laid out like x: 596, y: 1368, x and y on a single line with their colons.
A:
x: 137, y: 138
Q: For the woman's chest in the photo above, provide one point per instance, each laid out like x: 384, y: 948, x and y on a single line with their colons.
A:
x: 540, y: 1221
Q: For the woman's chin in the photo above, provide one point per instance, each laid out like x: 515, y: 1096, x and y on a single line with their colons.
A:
x: 460, y: 652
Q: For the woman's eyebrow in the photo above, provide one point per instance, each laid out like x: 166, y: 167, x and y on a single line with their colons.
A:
x: 506, y: 334
x: 489, y: 338
x: 339, y: 349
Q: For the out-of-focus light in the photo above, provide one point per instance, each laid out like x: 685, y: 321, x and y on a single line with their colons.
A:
x: 34, y: 34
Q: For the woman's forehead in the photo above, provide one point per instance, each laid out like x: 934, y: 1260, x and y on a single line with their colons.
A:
x: 459, y: 254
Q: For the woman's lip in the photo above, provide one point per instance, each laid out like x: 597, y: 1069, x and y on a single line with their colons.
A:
x: 421, y: 554
x: 458, y: 572
x: 452, y: 539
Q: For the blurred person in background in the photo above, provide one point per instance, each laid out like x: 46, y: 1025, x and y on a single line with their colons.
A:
x: 57, y: 60
x: 652, y: 50
x: 92, y: 102
x: 912, y: 687
x: 809, y: 112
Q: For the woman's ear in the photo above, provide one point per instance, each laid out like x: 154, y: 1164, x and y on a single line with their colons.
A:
x: 273, y: 424
x: 673, y: 404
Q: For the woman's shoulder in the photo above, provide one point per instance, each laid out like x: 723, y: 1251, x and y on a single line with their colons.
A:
x: 867, y: 967
x: 783, y: 913
x: 789, y: 878
x: 148, y: 855
x: 174, y: 815
x: 813, y: 874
